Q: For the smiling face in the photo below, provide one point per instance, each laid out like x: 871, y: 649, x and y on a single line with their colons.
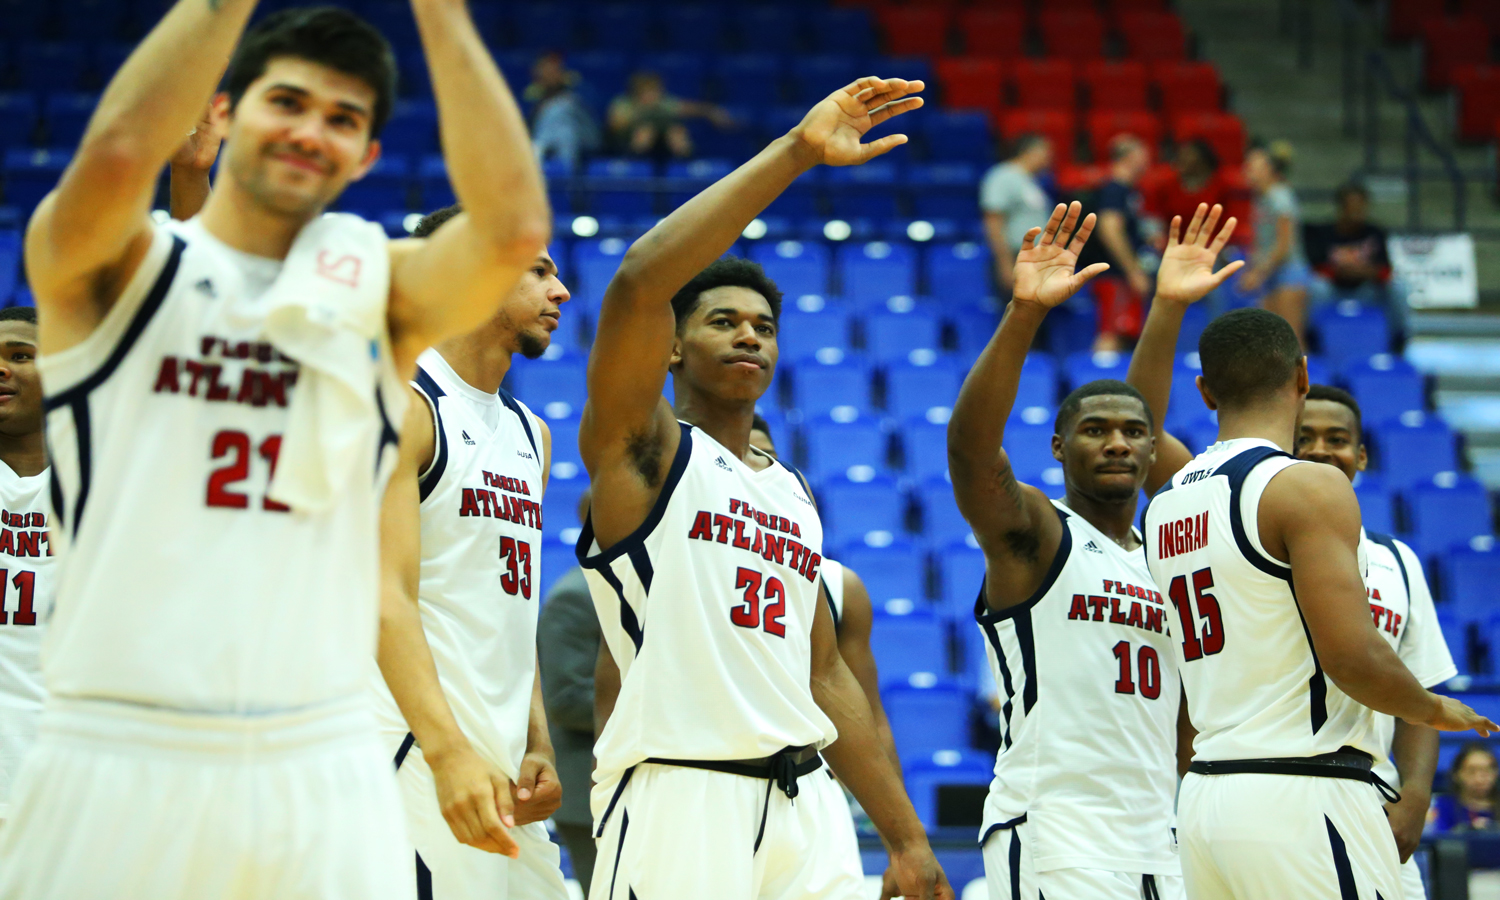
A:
x: 533, y: 308
x: 20, y: 385
x: 726, y: 346
x: 1329, y: 434
x: 298, y: 136
x: 1107, y: 449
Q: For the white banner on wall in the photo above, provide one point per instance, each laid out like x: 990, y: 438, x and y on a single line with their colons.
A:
x: 1438, y: 269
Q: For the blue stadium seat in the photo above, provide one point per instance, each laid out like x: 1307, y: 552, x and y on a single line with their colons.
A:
x: 814, y: 76
x: 1385, y: 386
x: 1039, y: 382
x: 1349, y: 331
x: 842, y: 30
x: 412, y: 128
x: 911, y: 389
x: 907, y: 638
x: 768, y: 26
x: 395, y: 21
x: 927, y: 715
x: 30, y: 174
x: 545, y: 24
x: 972, y: 324
x: 700, y: 26
x: 432, y: 178
x: 927, y: 780
x: 864, y: 192
x: 19, y: 111
x: 560, y: 505
x: 558, y: 558
x: 895, y: 333
x: 594, y: 264
x: 783, y: 436
x: 619, y: 26
x: 1411, y: 449
x: 877, y: 270
x: 10, y: 264
x: 924, y: 446
x: 1029, y: 446
x: 1447, y: 511
x: 617, y: 188
x: 67, y: 115
x: 541, y: 383
x: 683, y: 72
x: 942, y: 523
x: 1469, y: 576
x: 414, y: 79
x: 912, y: 68
x: 1194, y: 320
x: 891, y: 570
x: 860, y: 510
x: 1185, y: 409
x: 830, y: 380
x: 385, y: 188
x: 958, y: 272
x: 945, y: 190
x: 733, y: 73
x: 1081, y: 368
x: 845, y: 445
x: 1376, y: 503
x: 960, y: 570
x: 797, y: 267
x: 958, y: 136
x: 802, y: 333
x: 51, y: 65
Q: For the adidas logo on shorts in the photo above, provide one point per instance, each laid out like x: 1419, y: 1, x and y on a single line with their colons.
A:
x: 722, y: 464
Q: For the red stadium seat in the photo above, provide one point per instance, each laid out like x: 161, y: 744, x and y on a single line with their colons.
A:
x: 1452, y: 41
x: 1045, y: 84
x: 971, y: 82
x: 1071, y: 6
x: 1478, y: 101
x: 1057, y: 125
x: 1187, y: 86
x: 1115, y: 84
x: 1073, y: 35
x: 1075, y: 178
x: 1224, y: 132
x: 1116, y: 7
x: 1153, y: 35
x: 915, y: 30
x: 1404, y: 21
x: 1101, y: 126
x: 1488, y: 10
x: 993, y: 32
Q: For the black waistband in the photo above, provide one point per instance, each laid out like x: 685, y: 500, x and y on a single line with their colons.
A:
x: 784, y: 768
x: 1346, y: 763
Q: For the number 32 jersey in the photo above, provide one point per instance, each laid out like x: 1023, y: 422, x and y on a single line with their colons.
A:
x: 708, y: 611
x: 1254, y: 687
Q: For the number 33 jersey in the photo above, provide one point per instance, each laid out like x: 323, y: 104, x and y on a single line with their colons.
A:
x: 1088, y: 717
x: 1254, y: 687
x: 708, y: 611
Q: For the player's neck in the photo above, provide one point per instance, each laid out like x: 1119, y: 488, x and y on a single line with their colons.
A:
x: 1115, y: 518
x: 232, y: 216
x: 1277, y: 424
x: 26, y: 454
x: 729, y: 422
x: 481, y: 358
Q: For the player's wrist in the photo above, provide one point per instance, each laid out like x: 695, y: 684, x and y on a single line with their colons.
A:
x: 794, y: 145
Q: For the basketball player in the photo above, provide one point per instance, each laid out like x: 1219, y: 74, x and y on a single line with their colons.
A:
x: 467, y: 728
x: 1081, y: 803
x: 1280, y: 661
x: 221, y: 396
x: 849, y: 603
x: 26, y: 585
x: 702, y: 555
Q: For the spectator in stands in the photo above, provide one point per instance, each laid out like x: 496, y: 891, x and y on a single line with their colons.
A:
x: 1014, y: 202
x: 1277, y: 269
x: 1120, y: 292
x: 647, y: 121
x: 1473, y: 793
x: 1195, y: 179
x: 1349, y: 256
x: 561, y: 125
x: 568, y: 643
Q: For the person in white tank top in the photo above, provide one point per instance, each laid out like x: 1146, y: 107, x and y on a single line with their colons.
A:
x: 1278, y: 799
x: 26, y: 583
x: 1401, y: 607
x: 460, y: 705
x: 719, y: 678
x: 206, y: 675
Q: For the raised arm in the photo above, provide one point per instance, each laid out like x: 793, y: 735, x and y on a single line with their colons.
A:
x: 1186, y: 276
x: 1323, y: 553
x: 192, y: 165
x: 451, y: 282
x: 1015, y: 524
x: 89, y: 235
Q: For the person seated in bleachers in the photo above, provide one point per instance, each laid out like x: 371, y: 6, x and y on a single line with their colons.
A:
x: 1278, y: 269
x: 647, y: 121
x: 1473, y: 792
x: 561, y: 125
x: 1348, y: 256
x: 1014, y: 202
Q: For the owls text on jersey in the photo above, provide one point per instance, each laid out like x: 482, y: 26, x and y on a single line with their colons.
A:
x: 1401, y: 606
x: 171, y: 414
x: 1089, y: 717
x: 708, y: 610
x: 25, y: 605
x: 479, y: 592
x: 1254, y: 686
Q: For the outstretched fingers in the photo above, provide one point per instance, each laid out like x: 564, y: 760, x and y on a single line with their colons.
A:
x: 882, y: 146
x: 1081, y: 236
x: 895, y: 108
x: 1030, y: 239
x: 1079, y: 279
x: 1224, y: 235
x: 1054, y: 221
x: 1195, y: 227
x: 1210, y: 225
x: 1223, y: 274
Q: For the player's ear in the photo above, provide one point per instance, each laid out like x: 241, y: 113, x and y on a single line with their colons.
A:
x: 372, y: 153
x: 1057, y: 447
x: 1363, y: 459
x: 1303, y: 380
x: 1208, y: 399
x: 676, y: 358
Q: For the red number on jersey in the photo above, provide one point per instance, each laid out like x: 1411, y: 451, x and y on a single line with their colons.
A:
x: 1212, y: 638
x: 749, y: 614
x: 236, y: 444
x: 25, y: 583
x: 270, y: 449
x: 1149, y: 665
x: 517, y: 576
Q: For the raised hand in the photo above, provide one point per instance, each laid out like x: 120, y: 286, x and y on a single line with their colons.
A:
x: 1187, y: 268
x: 834, y: 128
x: 1044, y: 268
x: 202, y: 145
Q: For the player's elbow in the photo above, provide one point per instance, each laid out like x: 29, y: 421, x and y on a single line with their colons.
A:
x: 113, y: 156
x: 515, y: 240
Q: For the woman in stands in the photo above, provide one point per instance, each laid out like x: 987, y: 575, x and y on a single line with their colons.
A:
x: 1277, y: 264
x: 1473, y: 792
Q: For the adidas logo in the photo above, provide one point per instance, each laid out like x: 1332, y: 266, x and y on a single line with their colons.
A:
x: 467, y: 440
x: 206, y: 288
x: 1092, y: 547
x: 722, y: 464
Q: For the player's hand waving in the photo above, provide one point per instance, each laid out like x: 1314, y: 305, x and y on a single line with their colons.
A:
x: 475, y: 799
x: 202, y: 145
x: 538, y: 792
x: 1187, y: 267
x: 1044, y: 268
x: 833, y: 129
x: 914, y: 874
x: 1453, y: 715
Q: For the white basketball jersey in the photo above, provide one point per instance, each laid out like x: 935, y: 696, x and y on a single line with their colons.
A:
x: 180, y: 582
x: 708, y: 610
x: 481, y: 560
x: 833, y: 588
x: 1254, y: 686
x: 26, y: 588
x: 1089, y: 711
x: 1401, y: 605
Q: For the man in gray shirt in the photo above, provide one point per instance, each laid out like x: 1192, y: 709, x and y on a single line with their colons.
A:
x: 1014, y: 203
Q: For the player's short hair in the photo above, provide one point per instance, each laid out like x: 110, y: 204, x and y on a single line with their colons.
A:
x: 1247, y: 355
x: 18, y: 314
x: 1350, y: 189
x: 1343, y: 398
x: 1026, y: 142
x: 1122, y: 145
x: 325, y: 35
x: 433, y: 220
x: 1206, y: 150
x: 1072, y: 404
x: 726, y: 271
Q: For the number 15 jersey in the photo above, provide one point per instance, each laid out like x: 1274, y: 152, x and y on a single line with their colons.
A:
x: 1254, y: 687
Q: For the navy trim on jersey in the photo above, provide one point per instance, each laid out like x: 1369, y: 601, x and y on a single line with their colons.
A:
x: 983, y: 613
x: 628, y: 620
x: 1237, y: 469
x: 619, y: 789
x: 1389, y: 543
x: 429, y: 479
x: 619, y: 852
x: 1001, y: 826
x: 424, y: 880
x: 1347, y: 888
x: 1317, y: 685
x: 389, y: 436
x: 640, y: 560
x: 993, y: 636
x: 1015, y: 865
x: 406, y: 744
x: 832, y: 609
x: 637, y: 538
x: 513, y: 406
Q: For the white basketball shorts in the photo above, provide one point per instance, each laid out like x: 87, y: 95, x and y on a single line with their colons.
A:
x: 117, y: 800
x: 1411, y: 880
x: 1010, y: 873
x: 676, y: 832
x: 821, y: 792
x: 449, y: 870
x: 1269, y: 837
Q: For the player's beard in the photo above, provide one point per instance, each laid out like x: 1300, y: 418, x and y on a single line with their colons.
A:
x: 531, y: 346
